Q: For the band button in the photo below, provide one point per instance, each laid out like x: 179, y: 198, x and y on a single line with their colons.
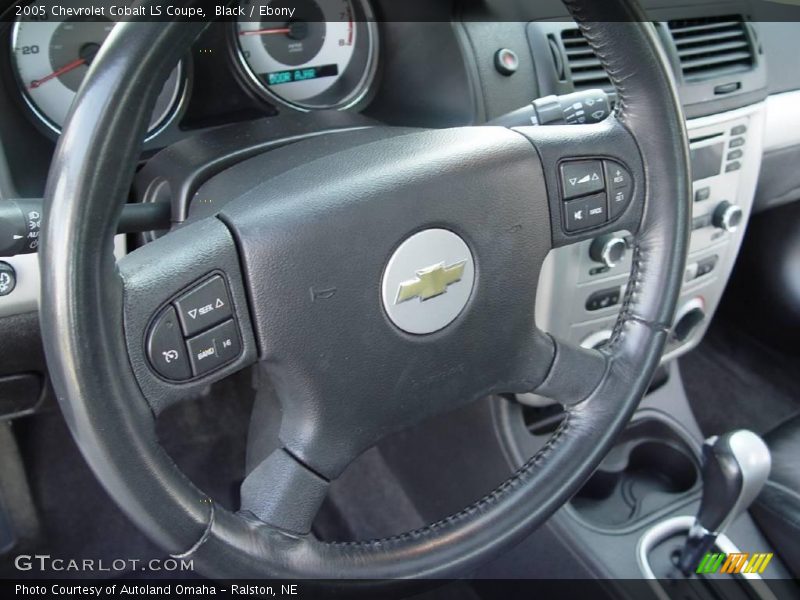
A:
x: 214, y: 348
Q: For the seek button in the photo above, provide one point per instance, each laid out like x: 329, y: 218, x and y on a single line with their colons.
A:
x: 204, y: 306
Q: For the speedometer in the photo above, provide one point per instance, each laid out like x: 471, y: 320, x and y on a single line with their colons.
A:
x: 309, y: 54
x: 51, y: 59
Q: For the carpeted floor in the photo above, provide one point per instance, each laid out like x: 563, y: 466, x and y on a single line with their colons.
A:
x: 206, y: 437
x: 386, y: 491
x: 734, y: 381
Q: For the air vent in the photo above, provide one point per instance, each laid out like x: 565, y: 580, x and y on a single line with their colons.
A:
x: 712, y: 46
x: 585, y: 67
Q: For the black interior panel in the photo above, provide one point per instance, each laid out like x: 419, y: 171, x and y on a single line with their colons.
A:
x: 23, y: 382
x: 763, y: 295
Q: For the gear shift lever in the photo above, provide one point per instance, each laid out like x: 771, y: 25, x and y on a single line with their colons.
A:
x: 735, y: 467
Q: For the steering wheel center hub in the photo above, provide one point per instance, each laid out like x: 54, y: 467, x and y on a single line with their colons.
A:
x: 428, y: 281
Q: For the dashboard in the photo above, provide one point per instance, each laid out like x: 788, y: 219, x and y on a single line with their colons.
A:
x: 251, y: 82
x: 316, y: 56
x: 454, y: 64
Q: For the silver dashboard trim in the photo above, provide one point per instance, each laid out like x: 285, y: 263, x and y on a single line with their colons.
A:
x: 782, y: 126
x: 177, y: 102
x: 565, y: 281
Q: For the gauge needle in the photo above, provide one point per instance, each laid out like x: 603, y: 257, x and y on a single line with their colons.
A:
x: 266, y: 31
x: 58, y: 73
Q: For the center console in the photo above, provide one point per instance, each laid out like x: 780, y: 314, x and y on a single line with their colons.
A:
x: 582, y: 286
x: 637, y: 509
x: 634, y: 513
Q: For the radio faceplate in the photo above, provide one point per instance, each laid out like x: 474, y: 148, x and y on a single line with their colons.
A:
x: 579, y: 298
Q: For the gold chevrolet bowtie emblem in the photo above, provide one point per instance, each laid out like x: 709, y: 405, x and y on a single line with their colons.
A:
x: 430, y: 282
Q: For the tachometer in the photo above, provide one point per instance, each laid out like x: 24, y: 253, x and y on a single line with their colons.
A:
x: 51, y: 59
x: 309, y: 54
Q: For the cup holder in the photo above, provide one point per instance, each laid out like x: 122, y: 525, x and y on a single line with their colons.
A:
x: 651, y: 466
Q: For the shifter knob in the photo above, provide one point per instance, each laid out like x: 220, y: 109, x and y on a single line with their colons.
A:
x: 735, y: 467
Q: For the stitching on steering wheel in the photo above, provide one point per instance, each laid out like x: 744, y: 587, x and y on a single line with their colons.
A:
x: 620, y: 112
x: 492, y: 497
x: 577, y: 10
x: 625, y: 312
x: 206, y: 534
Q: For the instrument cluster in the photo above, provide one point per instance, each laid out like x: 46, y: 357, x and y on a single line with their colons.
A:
x: 305, y: 55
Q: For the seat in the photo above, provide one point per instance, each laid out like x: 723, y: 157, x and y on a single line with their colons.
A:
x: 777, y: 508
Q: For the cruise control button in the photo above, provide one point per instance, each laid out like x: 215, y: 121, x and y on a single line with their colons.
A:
x: 214, y: 348
x: 618, y: 202
x: 585, y: 213
x: 204, y: 306
x: 165, y: 348
x: 617, y: 176
x: 580, y: 178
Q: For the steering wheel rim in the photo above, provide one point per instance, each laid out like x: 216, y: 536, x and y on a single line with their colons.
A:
x: 84, y: 309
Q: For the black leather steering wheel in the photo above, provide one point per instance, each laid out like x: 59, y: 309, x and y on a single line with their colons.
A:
x: 346, y: 375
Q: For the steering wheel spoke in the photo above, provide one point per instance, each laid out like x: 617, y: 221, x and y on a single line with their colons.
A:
x: 595, y: 179
x: 186, y: 319
x: 574, y: 374
x: 284, y: 493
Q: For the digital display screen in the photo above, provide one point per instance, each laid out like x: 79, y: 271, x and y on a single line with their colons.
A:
x: 304, y: 74
x: 707, y: 161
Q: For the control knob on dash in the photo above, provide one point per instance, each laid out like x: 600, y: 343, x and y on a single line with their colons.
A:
x: 608, y: 250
